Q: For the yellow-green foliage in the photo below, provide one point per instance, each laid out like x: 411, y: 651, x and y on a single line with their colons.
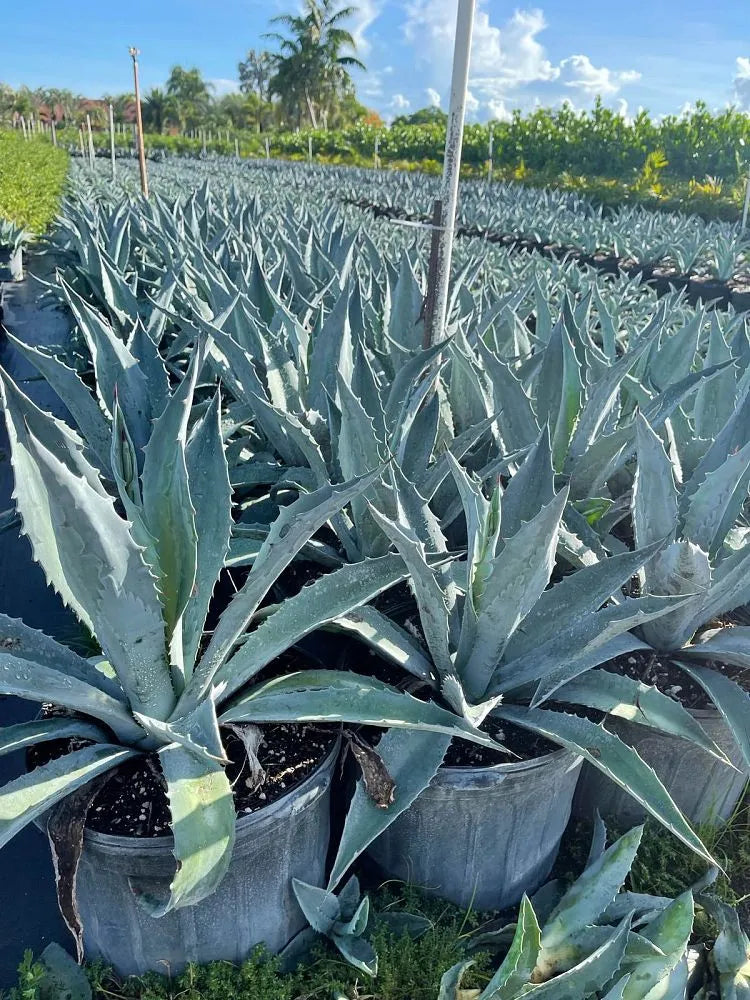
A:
x: 32, y: 176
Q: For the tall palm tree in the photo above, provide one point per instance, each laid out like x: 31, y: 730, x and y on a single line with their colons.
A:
x: 314, y: 59
x: 157, y: 109
x: 191, y: 96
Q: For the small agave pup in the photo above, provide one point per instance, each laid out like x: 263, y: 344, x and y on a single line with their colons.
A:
x: 705, y: 558
x: 501, y: 641
x: 723, y: 972
x: 142, y: 584
x: 593, y: 942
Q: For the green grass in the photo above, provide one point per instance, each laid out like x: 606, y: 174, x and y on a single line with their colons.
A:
x: 408, y: 969
x: 665, y: 867
x: 32, y: 177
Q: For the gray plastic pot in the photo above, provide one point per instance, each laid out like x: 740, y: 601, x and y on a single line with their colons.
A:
x: 253, y: 904
x: 483, y: 835
x: 706, y: 790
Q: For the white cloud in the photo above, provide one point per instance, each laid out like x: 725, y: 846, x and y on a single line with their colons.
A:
x: 580, y: 73
x: 499, y: 111
x: 434, y: 97
x: 400, y: 103
x: 511, y: 53
x: 365, y: 13
x: 507, y: 59
x: 472, y: 104
x: 222, y: 86
x: 741, y: 83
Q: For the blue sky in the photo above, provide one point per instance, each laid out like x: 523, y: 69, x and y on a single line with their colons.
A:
x: 658, y: 54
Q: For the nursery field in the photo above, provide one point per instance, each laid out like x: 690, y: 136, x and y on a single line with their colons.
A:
x: 359, y: 605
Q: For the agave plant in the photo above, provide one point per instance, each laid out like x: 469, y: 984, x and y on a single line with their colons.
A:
x: 704, y: 557
x: 593, y: 941
x: 13, y: 239
x: 500, y: 641
x: 139, y: 570
x: 586, y: 393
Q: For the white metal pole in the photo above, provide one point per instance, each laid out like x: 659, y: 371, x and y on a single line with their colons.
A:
x: 112, y: 140
x: 491, y: 150
x: 376, y: 161
x: 747, y: 203
x: 452, y: 165
x: 23, y: 126
x: 309, y: 149
x: 91, y: 140
x: 268, y: 148
x: 54, y: 131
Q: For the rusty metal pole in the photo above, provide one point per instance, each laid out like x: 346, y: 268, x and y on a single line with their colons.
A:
x: 139, y: 123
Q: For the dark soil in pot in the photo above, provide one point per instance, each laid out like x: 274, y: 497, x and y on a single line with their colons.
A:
x: 659, y: 670
x: 525, y: 744
x: 704, y: 788
x: 133, y: 803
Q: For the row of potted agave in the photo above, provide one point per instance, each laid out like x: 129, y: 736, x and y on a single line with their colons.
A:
x: 131, y: 517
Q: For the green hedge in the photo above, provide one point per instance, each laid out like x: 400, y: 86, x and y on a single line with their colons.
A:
x: 596, y: 143
x: 32, y: 176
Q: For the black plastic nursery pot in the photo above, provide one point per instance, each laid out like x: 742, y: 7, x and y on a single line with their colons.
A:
x: 705, y: 789
x: 254, y: 904
x: 482, y: 836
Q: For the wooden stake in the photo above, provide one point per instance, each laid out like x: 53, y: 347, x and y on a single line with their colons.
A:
x: 268, y: 148
x: 53, y: 130
x: 139, y: 123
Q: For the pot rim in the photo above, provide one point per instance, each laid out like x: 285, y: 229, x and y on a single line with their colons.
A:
x: 514, y: 767
x: 705, y: 713
x: 242, y: 823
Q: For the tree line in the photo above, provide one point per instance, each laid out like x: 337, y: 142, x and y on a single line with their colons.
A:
x: 302, y: 80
